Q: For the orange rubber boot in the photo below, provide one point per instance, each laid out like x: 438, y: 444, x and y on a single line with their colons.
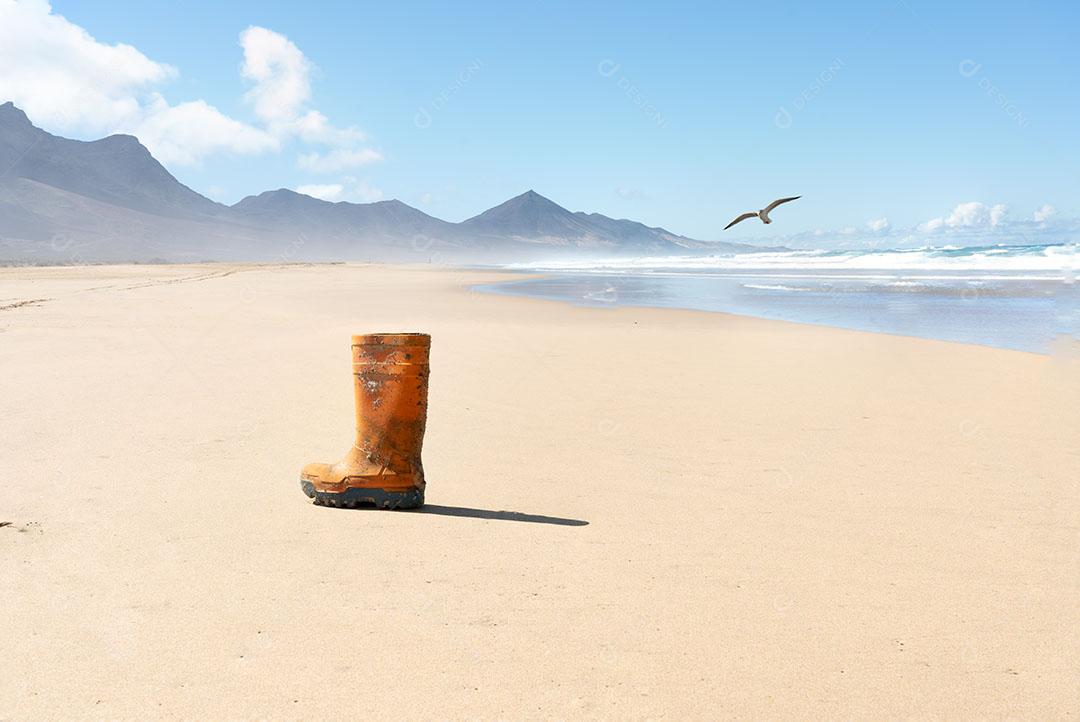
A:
x: 390, y: 383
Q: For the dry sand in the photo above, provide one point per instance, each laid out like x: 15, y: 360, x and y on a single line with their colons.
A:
x: 634, y: 513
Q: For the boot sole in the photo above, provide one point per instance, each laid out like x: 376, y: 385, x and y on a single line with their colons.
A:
x: 356, y: 496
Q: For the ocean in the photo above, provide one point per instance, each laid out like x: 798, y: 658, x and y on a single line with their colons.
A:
x: 1022, y: 297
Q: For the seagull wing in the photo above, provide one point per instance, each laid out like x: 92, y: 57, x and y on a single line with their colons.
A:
x: 741, y: 218
x: 777, y: 202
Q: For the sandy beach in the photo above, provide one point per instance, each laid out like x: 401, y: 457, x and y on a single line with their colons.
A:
x: 632, y: 513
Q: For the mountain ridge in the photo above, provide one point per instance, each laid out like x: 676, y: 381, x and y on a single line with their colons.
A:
x: 110, y: 199
x: 136, y: 180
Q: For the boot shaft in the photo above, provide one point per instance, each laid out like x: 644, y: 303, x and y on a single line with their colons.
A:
x: 390, y: 384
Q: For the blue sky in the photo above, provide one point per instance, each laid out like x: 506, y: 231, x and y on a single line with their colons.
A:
x: 895, y: 120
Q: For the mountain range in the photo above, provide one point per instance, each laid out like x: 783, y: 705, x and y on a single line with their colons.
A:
x: 73, y: 201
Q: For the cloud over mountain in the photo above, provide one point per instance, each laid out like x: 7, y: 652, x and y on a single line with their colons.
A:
x: 68, y: 81
x: 350, y: 189
x: 63, y: 77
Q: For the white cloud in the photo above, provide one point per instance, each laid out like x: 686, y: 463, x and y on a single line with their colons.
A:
x: 997, y: 214
x: 185, y: 133
x: 973, y: 214
x: 629, y: 194
x: 69, y: 82
x: 64, y: 78
x: 364, y: 192
x: 1044, y: 213
x: 351, y: 189
x: 324, y: 192
x: 281, y: 74
x: 971, y: 224
x: 337, y: 160
x: 313, y: 127
x: 967, y: 214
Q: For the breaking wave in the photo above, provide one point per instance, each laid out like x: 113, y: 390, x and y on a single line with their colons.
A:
x: 1032, y: 261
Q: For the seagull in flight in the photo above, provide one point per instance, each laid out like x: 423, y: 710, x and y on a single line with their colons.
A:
x: 763, y: 214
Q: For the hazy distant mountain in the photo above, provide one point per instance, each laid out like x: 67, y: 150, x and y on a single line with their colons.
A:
x: 117, y: 170
x: 382, y: 221
x: 110, y: 200
x: 531, y: 218
x: 632, y: 234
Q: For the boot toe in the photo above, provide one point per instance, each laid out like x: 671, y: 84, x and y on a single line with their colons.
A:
x: 311, y: 475
x: 316, y: 472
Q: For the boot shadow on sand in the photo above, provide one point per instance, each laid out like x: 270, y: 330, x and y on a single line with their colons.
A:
x: 383, y: 469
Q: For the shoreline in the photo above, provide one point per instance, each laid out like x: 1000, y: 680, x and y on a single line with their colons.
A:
x: 860, y: 321
x: 1060, y: 346
x: 645, y: 512
x: 683, y: 309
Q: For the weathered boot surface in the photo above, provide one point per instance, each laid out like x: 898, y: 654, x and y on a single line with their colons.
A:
x: 383, y: 468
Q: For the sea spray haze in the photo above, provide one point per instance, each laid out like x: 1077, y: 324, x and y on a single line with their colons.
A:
x: 1021, y: 297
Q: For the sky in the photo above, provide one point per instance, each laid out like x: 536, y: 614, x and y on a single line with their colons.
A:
x: 899, y: 122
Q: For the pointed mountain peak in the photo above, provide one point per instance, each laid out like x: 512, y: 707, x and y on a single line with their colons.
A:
x: 532, y: 196
x: 530, y: 202
x: 529, y: 215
